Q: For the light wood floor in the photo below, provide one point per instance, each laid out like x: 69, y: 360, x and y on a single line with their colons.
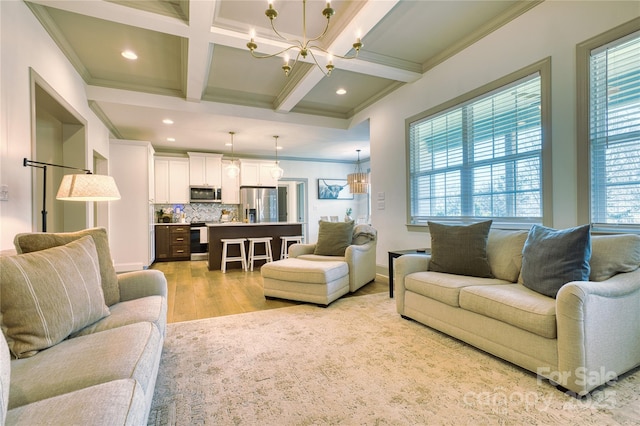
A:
x: 196, y: 293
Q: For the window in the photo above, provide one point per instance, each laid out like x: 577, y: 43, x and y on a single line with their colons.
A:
x: 614, y: 132
x: 480, y: 156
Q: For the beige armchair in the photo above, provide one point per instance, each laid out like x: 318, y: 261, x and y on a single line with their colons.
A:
x: 360, y: 256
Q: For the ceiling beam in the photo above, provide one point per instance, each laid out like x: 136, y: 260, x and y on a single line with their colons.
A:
x: 198, y: 60
x: 121, y: 14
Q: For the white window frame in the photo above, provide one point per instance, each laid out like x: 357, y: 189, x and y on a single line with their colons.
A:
x: 543, y: 69
x: 583, y: 63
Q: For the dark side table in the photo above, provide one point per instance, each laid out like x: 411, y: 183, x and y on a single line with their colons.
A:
x: 397, y: 253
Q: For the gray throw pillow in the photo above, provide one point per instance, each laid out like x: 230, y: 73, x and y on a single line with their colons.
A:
x: 334, y: 238
x: 551, y: 258
x: 460, y: 250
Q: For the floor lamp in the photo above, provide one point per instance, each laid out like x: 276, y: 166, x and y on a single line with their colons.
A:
x: 76, y: 187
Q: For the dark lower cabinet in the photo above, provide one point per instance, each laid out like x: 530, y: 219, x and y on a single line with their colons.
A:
x: 172, y: 242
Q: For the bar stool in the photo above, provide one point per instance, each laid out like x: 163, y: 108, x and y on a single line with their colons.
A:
x: 225, y: 258
x: 284, y: 247
x: 268, y: 256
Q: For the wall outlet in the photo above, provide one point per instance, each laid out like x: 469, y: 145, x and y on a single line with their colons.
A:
x: 4, y: 192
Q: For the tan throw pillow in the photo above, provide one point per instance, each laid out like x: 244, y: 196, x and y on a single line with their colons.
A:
x: 334, y: 238
x: 460, y: 249
x: 49, y: 294
x: 504, y: 252
x: 613, y: 254
x: 28, y: 243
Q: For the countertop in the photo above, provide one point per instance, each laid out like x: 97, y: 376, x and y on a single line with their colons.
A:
x: 235, y: 223
x: 251, y: 224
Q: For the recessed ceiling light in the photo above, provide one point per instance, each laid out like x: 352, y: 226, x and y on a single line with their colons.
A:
x: 167, y: 121
x: 171, y: 139
x: 341, y: 91
x: 129, y: 54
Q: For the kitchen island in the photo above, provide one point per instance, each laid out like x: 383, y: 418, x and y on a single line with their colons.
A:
x: 219, y: 231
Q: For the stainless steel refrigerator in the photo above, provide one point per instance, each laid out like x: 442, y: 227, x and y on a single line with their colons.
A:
x: 258, y: 204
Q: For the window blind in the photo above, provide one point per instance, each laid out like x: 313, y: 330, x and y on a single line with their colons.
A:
x: 481, y: 158
x: 614, y: 130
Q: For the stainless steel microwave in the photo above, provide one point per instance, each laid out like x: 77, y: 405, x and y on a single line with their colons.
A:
x: 205, y: 194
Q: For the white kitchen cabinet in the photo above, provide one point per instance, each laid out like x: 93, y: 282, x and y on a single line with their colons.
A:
x: 257, y: 173
x: 205, y: 169
x: 131, y: 219
x: 230, y: 185
x: 171, y: 180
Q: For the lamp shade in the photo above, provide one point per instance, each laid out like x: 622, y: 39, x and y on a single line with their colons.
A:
x: 88, y: 187
x: 358, y: 182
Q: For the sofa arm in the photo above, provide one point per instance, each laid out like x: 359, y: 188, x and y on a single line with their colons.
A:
x: 297, y: 249
x: 403, y: 266
x: 137, y: 284
x: 598, y: 330
x: 362, y: 264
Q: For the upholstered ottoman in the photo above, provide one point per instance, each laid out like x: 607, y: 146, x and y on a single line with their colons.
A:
x: 305, y: 280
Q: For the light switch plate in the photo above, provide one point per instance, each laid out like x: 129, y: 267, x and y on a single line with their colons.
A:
x: 4, y: 192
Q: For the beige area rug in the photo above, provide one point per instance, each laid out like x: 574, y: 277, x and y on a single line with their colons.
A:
x: 357, y: 362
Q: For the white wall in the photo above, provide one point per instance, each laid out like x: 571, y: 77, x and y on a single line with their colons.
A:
x: 314, y: 170
x: 24, y: 45
x: 551, y: 29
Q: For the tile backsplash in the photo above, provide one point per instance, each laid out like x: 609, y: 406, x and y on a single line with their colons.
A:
x: 195, y: 212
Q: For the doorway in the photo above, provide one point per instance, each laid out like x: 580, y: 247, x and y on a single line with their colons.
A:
x: 59, y: 137
x: 293, y: 200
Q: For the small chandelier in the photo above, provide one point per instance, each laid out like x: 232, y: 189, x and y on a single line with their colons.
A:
x: 304, y: 46
x: 358, y: 181
x: 232, y: 170
x: 277, y: 171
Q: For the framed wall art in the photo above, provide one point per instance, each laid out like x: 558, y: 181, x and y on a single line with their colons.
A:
x: 333, y: 189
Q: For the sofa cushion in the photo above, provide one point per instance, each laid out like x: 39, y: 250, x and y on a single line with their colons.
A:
x: 304, y: 271
x: 128, y: 352
x: 334, y: 238
x: 321, y: 258
x: 513, y: 304
x: 30, y: 242
x: 49, y: 294
x: 150, y: 309
x: 444, y: 288
x: 460, y: 250
x: 613, y: 254
x: 504, y: 252
x: 552, y: 258
x: 119, y: 402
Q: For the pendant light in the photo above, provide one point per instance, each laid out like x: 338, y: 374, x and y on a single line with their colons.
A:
x: 232, y: 170
x: 277, y: 171
x: 358, y: 181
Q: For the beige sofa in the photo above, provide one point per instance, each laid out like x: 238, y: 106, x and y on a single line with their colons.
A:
x: 103, y: 371
x: 588, y: 335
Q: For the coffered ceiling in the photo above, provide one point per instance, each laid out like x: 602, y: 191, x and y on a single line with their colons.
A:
x: 194, y: 67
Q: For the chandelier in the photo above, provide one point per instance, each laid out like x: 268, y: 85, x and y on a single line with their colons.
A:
x: 305, y: 46
x: 276, y: 171
x: 232, y: 170
x: 358, y: 181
